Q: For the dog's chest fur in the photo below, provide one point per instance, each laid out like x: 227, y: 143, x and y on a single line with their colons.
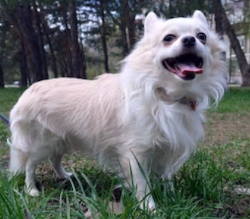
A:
x: 168, y: 132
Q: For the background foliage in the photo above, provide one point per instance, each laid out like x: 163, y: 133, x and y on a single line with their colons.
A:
x: 83, y: 38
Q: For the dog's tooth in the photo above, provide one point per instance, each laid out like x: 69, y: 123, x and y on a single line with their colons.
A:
x: 176, y: 66
x: 200, y: 64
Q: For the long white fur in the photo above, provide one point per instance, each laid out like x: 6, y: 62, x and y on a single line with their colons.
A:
x: 122, y: 119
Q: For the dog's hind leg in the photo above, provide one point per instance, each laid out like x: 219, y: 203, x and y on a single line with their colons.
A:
x: 30, y: 177
x: 57, y: 165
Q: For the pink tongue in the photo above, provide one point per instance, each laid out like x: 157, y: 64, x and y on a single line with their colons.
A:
x: 186, y: 69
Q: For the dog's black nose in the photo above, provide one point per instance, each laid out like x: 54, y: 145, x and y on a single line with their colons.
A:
x: 188, y: 41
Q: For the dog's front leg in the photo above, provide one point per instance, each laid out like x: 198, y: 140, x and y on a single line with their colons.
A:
x: 136, y: 171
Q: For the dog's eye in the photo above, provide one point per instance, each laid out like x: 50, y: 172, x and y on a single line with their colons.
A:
x: 169, y: 38
x: 202, y: 37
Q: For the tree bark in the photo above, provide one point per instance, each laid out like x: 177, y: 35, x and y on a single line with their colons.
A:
x: 246, y: 77
x: 218, y: 17
x: 123, y: 28
x: 79, y: 70
x: 40, y: 41
x: 219, y: 24
x: 2, y: 44
x: 51, y: 48
x: 23, y: 67
x: 128, y: 24
x: 67, y: 39
x: 1, y: 75
x: 103, y: 36
x: 235, y: 44
x: 24, y: 20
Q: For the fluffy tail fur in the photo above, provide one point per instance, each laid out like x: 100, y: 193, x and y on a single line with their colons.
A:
x: 17, y: 161
x: 18, y: 158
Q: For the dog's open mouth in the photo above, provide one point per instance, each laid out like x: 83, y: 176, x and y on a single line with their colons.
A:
x: 185, y: 66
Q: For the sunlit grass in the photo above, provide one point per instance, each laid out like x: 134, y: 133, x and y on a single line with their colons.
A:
x: 236, y: 100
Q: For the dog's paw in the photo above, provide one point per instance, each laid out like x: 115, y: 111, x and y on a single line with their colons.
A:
x: 151, y: 206
x: 152, y: 209
x: 148, y: 204
x: 65, y: 175
x: 68, y: 175
x: 33, y: 192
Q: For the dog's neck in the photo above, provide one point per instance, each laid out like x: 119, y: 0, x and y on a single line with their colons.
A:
x: 191, y: 102
x: 188, y: 101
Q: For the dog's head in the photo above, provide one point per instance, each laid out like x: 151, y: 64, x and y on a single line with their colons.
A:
x: 185, y: 45
x: 181, y: 55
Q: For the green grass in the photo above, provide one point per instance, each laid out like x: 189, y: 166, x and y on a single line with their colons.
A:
x: 236, y: 100
x: 8, y: 97
x: 203, y: 188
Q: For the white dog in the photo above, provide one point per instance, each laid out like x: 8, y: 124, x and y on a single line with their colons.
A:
x: 146, y: 118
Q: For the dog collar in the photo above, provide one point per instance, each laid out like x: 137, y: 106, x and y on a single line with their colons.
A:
x: 192, y: 103
x: 188, y: 101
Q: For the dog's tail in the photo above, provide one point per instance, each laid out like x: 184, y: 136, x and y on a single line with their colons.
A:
x: 8, y: 142
x: 18, y: 159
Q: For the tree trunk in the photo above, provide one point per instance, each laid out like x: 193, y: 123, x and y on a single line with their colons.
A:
x: 23, y: 67
x: 128, y: 25
x: 77, y: 63
x: 51, y: 48
x: 131, y: 29
x: 2, y: 44
x: 219, y: 24
x: 40, y: 41
x: 246, y: 77
x: 62, y: 64
x: 82, y: 53
x: 235, y: 44
x: 103, y: 36
x: 67, y: 39
x: 123, y: 28
x: 24, y: 19
x: 218, y: 17
x: 1, y: 75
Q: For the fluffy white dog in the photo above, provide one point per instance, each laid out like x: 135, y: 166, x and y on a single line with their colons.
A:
x: 146, y: 118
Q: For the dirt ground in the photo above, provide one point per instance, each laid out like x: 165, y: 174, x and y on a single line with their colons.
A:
x: 222, y: 128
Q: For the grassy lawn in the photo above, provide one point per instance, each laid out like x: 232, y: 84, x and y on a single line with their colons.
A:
x: 214, y: 183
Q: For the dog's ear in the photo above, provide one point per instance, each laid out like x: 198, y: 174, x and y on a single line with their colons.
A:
x: 149, y: 22
x: 199, y: 15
